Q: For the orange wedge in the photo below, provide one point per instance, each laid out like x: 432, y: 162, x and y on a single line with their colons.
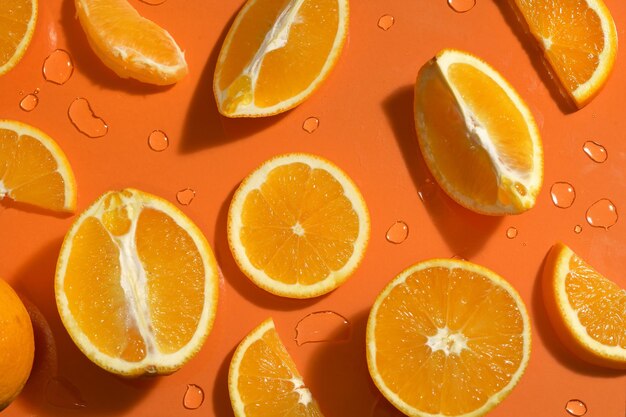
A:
x: 447, y: 338
x: 136, y: 284
x: 298, y: 226
x: 477, y: 136
x: 18, y: 18
x: 578, y: 39
x: 263, y: 379
x: 586, y: 309
x: 277, y: 53
x: 131, y: 45
x: 33, y: 169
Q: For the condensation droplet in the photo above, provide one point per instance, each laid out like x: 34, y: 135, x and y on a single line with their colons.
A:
x: 194, y: 397
x: 311, y: 124
x: 602, y: 213
x: 386, y: 22
x: 158, y: 141
x: 58, y: 67
x: 562, y: 194
x: 576, y: 408
x: 578, y: 228
x: 323, y: 326
x: 595, y: 151
x: 84, y: 119
x: 511, y: 232
x: 397, y: 232
x: 29, y: 102
x: 60, y: 392
x: 461, y: 6
x: 153, y: 2
x: 427, y: 189
x: 185, y: 196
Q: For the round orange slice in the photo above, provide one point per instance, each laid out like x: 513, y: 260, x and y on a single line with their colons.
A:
x: 277, y: 53
x: 447, y: 338
x: 298, y: 226
x: 585, y: 308
x: 136, y: 284
x: 263, y: 379
x: 19, y: 18
x: 33, y: 169
x: 477, y: 136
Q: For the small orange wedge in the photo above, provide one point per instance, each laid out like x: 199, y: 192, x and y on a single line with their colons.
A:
x: 131, y: 45
x: 18, y: 18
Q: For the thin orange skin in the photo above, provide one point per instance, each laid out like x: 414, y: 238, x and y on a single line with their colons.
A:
x: 556, y: 315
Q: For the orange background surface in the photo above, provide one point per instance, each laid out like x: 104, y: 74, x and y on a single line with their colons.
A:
x: 366, y: 127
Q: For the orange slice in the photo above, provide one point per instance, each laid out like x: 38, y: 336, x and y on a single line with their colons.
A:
x: 447, y: 338
x: 17, y: 345
x: 585, y: 308
x: 131, y: 45
x: 477, y: 136
x: 263, y: 379
x: 578, y: 39
x: 277, y: 53
x: 298, y: 226
x: 18, y: 18
x: 136, y: 284
x: 33, y: 169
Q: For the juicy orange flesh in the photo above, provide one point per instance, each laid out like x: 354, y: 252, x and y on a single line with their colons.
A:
x: 288, y: 70
x: 264, y: 383
x: 599, y: 303
x: 297, y: 196
x: 175, y: 275
x: 14, y: 18
x: 467, y: 303
x: 29, y: 171
x: 575, y: 33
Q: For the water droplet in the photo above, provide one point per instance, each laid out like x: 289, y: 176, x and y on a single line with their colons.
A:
x: 311, y: 124
x: 595, y: 151
x: 461, y: 6
x: 62, y: 393
x: 323, y: 326
x: 459, y: 257
x: 602, y: 213
x: 563, y: 194
x: 84, y: 119
x: 185, y: 196
x: 578, y: 228
x: 397, y: 232
x: 511, y: 232
x: 576, y: 408
x: 386, y: 22
x: 427, y: 189
x: 194, y: 397
x: 58, y: 67
x: 29, y: 102
x: 158, y: 141
x: 153, y: 2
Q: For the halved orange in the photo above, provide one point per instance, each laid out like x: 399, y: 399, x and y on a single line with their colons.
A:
x: 18, y: 18
x: 263, y: 379
x: 447, y: 338
x: 131, y: 45
x: 586, y: 309
x: 277, y: 53
x: 298, y: 226
x: 477, y: 136
x: 33, y: 169
x: 578, y: 39
x: 136, y: 284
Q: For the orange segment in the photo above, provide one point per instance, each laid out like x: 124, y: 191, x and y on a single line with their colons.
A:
x: 277, y: 53
x: 451, y: 329
x: 579, y: 41
x: 18, y: 19
x: 298, y: 226
x: 129, y: 44
x: 33, y: 169
x: 586, y: 309
x: 136, y: 284
x: 477, y: 136
x: 263, y: 379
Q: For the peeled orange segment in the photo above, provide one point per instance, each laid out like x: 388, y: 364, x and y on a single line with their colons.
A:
x: 131, y: 45
x: 447, y: 338
x: 17, y: 25
x: 298, y: 226
x: 477, y: 136
x: 263, y: 379
x: 277, y: 53
x: 136, y: 284
x: 587, y: 310
x: 33, y: 169
x: 578, y: 39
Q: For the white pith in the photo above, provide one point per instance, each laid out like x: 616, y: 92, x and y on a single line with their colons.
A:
x: 449, y: 342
